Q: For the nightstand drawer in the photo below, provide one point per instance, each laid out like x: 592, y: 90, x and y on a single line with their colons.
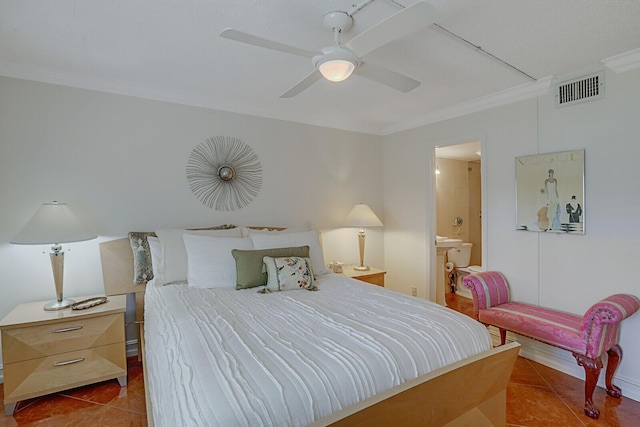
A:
x: 45, y: 340
x: 35, y: 377
x: 374, y: 279
x: 373, y: 276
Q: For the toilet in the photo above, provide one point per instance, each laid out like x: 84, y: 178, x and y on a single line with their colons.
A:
x: 461, y: 257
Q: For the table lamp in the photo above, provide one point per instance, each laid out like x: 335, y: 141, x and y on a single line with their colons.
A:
x: 362, y: 216
x: 54, y: 223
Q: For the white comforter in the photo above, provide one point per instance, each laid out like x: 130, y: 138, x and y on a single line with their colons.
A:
x: 238, y: 358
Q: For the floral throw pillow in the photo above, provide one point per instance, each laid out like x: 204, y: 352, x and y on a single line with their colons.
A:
x: 142, y: 267
x: 288, y: 273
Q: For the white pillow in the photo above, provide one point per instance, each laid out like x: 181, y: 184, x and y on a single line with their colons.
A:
x: 174, y: 265
x: 210, y: 263
x: 156, y: 260
x: 285, y: 240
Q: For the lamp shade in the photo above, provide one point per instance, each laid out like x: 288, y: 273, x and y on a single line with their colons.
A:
x: 362, y: 216
x: 53, y: 223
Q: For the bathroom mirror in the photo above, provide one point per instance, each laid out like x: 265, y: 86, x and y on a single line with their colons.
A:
x: 550, y: 192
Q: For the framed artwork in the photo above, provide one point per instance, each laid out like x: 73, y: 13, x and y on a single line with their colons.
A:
x: 550, y: 192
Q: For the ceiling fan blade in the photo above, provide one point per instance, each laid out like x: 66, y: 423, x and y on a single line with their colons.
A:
x: 247, y: 38
x: 386, y: 77
x: 401, y: 24
x: 302, y: 85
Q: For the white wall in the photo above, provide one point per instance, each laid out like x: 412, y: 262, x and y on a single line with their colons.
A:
x: 120, y: 164
x: 566, y: 272
x: 120, y: 161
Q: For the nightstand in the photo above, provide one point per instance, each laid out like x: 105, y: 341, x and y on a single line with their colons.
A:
x: 45, y: 352
x: 373, y: 275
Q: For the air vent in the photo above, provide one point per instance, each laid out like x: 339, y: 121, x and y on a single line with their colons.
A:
x: 583, y: 89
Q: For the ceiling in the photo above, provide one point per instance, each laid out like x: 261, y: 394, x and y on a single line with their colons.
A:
x: 467, y: 151
x: 171, y: 50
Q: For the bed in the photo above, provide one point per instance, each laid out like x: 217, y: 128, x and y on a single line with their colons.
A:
x: 346, y: 354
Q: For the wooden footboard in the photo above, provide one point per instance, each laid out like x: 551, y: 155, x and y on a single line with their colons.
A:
x: 472, y: 392
x: 469, y: 392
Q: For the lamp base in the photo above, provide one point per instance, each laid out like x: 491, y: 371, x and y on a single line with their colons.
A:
x: 361, y: 268
x: 59, y: 305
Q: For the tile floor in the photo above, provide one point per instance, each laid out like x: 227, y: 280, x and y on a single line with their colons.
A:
x: 104, y: 404
x: 536, y: 396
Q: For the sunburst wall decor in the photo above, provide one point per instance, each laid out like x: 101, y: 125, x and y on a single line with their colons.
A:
x: 224, y: 173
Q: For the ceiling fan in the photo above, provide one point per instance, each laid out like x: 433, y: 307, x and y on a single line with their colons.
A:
x: 337, y: 62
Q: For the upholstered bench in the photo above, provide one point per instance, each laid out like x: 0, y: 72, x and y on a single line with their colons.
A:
x: 587, y: 337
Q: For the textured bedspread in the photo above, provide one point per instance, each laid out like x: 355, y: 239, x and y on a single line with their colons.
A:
x: 238, y: 358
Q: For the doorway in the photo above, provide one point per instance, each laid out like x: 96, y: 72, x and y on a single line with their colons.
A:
x: 458, y: 201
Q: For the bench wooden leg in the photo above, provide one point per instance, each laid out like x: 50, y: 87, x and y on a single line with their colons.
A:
x: 592, y: 368
x: 615, y: 356
x: 503, y: 336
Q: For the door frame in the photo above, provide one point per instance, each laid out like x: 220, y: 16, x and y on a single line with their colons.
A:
x: 432, y: 209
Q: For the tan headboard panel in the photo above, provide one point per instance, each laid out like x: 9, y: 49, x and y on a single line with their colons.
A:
x: 117, y: 268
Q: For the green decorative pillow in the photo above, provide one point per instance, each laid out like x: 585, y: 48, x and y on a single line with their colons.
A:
x: 288, y: 273
x: 249, y: 264
x: 142, y: 269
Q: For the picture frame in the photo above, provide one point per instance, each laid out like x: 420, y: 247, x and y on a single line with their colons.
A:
x: 550, y: 192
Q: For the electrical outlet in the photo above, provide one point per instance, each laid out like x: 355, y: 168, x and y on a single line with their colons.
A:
x: 414, y: 291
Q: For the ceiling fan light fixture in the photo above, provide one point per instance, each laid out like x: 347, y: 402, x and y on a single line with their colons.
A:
x: 336, y: 70
x: 336, y: 63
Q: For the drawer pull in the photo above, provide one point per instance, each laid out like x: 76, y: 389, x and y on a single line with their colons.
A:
x: 69, y: 362
x: 72, y: 328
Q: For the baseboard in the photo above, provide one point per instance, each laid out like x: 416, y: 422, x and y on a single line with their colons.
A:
x: 132, y: 347
x: 563, y: 361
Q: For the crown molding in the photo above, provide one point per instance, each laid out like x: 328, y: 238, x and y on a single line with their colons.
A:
x: 504, y: 97
x: 626, y: 61
x: 190, y: 99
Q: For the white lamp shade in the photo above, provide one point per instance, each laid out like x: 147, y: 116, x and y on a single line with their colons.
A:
x: 53, y: 223
x: 336, y: 70
x: 362, y: 216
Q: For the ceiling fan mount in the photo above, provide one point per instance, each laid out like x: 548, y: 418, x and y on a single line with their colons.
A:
x: 337, y: 20
x: 337, y: 62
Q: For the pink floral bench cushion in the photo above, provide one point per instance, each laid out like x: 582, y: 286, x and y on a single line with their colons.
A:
x: 589, y: 335
x: 550, y: 326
